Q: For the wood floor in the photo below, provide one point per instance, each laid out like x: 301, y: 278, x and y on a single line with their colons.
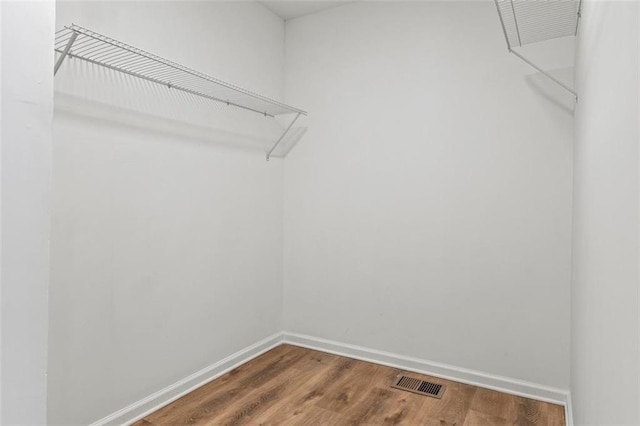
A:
x: 296, y: 386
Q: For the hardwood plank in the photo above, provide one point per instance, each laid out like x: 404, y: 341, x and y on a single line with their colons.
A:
x: 532, y: 412
x: 313, y: 358
x: 517, y: 410
x: 200, y: 405
x: 339, y: 371
x: 301, y: 403
x: 144, y: 422
x: 404, y: 408
x: 499, y: 404
x: 454, y: 405
x: 307, y: 415
x: 372, y: 407
x: 344, y: 394
x: 294, y: 386
x: 250, y: 408
x: 476, y: 418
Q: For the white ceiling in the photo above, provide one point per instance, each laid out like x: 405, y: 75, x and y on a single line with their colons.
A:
x: 293, y: 9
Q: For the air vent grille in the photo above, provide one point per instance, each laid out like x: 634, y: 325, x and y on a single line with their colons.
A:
x: 418, y: 386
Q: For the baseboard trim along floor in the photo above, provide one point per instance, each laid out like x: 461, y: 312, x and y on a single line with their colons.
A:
x: 159, y: 399
x: 444, y: 371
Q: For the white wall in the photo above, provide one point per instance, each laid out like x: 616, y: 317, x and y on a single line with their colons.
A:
x: 1, y: 213
x: 605, y: 323
x: 166, y: 243
x: 26, y: 114
x: 428, y: 211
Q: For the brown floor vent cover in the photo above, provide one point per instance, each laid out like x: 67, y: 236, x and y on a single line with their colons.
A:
x: 418, y: 386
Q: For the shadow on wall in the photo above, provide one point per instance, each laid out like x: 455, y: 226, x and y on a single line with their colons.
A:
x: 290, y: 140
x: 104, y: 95
x: 552, y: 91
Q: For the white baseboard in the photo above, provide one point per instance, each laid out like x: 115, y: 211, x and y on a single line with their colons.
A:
x: 568, y: 411
x: 154, y: 402
x: 444, y: 371
x: 157, y: 400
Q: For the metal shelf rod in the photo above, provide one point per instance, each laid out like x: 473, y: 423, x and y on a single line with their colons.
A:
x: 65, y: 52
x: 282, y: 136
x: 564, y: 86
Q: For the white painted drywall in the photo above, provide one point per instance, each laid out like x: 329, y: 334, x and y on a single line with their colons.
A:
x: 605, y: 328
x: 1, y: 102
x: 166, y: 243
x: 428, y: 211
x: 26, y: 116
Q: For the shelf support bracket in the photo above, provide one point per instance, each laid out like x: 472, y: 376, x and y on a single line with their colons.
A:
x: 65, y: 52
x: 283, y: 135
x: 549, y: 76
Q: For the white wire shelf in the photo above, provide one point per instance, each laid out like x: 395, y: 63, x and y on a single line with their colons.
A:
x: 532, y: 21
x: 74, y: 41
